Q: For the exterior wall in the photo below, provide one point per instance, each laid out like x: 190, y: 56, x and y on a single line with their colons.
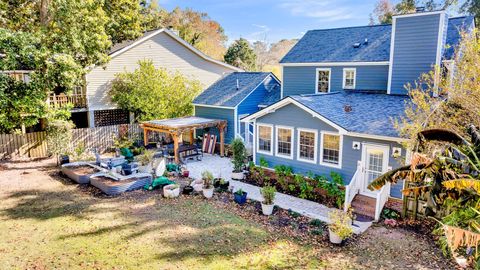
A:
x: 218, y: 113
x: 301, y: 80
x: 250, y: 104
x: 292, y: 116
x: 165, y: 52
x: 414, y: 49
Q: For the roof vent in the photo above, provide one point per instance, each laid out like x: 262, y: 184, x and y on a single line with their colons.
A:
x: 365, y: 41
x: 356, y: 45
x: 419, y: 9
x: 347, y: 108
x: 238, y: 86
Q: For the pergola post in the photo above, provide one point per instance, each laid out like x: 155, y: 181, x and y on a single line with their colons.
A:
x: 221, y: 129
x: 175, y: 147
x: 145, y: 137
x: 191, y: 136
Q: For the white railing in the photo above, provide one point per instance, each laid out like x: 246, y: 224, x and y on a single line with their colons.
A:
x: 382, y: 198
x: 353, y: 187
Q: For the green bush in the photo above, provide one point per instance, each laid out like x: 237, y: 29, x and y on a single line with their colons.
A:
x: 239, y: 154
x: 268, y: 193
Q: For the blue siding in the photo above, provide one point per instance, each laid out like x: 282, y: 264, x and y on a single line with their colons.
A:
x: 415, y: 49
x: 301, y: 80
x: 250, y: 104
x: 217, y: 113
x: 292, y: 116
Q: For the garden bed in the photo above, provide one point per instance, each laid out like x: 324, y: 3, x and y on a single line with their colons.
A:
x: 320, y: 189
x: 112, y: 186
x: 80, y: 172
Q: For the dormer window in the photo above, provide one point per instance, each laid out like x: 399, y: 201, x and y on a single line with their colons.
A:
x: 349, y: 78
x: 323, y: 80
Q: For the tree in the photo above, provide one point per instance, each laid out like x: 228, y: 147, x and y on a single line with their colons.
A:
x: 153, y: 17
x: 153, y: 93
x: 241, y: 55
x: 124, y: 22
x: 261, y: 50
x: 59, y: 137
x: 383, y: 12
x: 471, y: 7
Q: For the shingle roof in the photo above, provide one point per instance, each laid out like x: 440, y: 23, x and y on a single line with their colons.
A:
x: 371, y: 113
x: 224, y: 91
x: 336, y: 45
x: 272, y: 96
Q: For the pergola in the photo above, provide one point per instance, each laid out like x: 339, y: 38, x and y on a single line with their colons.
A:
x: 178, y: 126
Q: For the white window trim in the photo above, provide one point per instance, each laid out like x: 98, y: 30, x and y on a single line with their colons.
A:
x: 340, y: 152
x: 315, y: 147
x: 257, y: 139
x: 345, y: 77
x: 329, y: 78
x: 291, y: 142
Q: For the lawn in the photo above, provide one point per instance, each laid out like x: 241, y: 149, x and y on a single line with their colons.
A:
x: 48, y: 222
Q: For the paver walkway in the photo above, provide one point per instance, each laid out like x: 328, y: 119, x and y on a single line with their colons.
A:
x: 222, y: 167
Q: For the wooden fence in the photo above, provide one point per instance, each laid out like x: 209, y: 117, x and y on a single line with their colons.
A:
x: 34, y: 145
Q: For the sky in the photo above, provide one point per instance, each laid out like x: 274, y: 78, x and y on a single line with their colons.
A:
x: 273, y: 20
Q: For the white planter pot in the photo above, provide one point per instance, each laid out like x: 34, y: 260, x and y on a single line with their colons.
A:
x: 208, y: 193
x: 145, y: 169
x: 197, y: 185
x: 334, y: 238
x: 267, y: 209
x: 238, y: 176
x: 168, y: 192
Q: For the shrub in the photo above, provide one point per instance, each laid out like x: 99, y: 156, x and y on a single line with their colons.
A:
x: 340, y: 223
x: 59, y: 137
x: 268, y: 193
x: 239, y: 154
x: 146, y: 157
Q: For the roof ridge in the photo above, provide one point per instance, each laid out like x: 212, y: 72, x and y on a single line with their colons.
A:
x: 351, y: 27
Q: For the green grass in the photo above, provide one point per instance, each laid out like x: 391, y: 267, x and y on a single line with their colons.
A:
x: 70, y: 229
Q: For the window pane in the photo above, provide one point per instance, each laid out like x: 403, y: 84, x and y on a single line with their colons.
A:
x: 331, y: 148
x: 264, y: 138
x: 349, y: 78
x: 284, y: 138
x: 307, y: 145
x: 323, y: 77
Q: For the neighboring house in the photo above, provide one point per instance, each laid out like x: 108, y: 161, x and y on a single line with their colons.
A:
x: 93, y: 106
x: 342, y: 88
x: 235, y: 96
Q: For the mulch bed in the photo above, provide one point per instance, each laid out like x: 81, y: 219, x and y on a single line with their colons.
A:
x: 83, y: 169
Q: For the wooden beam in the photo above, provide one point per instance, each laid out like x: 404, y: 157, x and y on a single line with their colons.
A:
x: 175, y: 147
x: 145, y: 137
x: 222, y: 140
x: 191, y: 136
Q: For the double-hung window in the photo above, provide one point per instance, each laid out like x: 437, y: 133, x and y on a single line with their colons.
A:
x: 323, y: 80
x: 307, y: 145
x: 349, y: 78
x: 264, y: 139
x: 284, y: 142
x: 331, y: 150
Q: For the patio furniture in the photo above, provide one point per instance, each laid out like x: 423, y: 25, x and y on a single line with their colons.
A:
x: 189, y: 151
x: 209, y: 143
x: 178, y: 126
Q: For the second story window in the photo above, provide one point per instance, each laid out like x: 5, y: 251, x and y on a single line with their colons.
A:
x: 349, y: 78
x: 323, y: 80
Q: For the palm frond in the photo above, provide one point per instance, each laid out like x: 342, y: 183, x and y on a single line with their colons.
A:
x: 462, y: 184
x: 442, y: 135
x: 415, y: 190
x: 389, y: 176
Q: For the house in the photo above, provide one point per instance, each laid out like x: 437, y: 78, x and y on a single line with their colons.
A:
x: 342, y: 88
x: 93, y: 106
x: 235, y: 96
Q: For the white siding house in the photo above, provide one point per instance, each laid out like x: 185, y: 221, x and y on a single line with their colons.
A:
x: 166, y: 50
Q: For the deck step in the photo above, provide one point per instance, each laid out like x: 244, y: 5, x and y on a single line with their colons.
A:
x: 364, y: 206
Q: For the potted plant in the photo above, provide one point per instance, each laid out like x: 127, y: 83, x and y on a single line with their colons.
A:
x: 238, y: 160
x: 171, y: 191
x: 197, y: 185
x: 145, y: 160
x: 240, y: 196
x: 221, y: 184
x: 268, y: 193
x: 340, y: 227
x: 207, y: 189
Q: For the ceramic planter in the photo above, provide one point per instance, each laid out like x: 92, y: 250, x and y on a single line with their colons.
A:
x: 208, y: 193
x: 197, y: 185
x: 171, y: 191
x: 187, y: 190
x: 240, y: 198
x: 238, y: 175
x: 267, y: 209
x: 334, y: 238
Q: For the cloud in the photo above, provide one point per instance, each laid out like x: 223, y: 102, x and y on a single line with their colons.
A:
x: 324, y: 10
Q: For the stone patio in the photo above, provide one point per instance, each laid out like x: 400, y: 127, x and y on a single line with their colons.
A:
x: 222, y: 167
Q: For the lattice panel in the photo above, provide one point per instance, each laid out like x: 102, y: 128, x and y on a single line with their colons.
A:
x: 111, y: 117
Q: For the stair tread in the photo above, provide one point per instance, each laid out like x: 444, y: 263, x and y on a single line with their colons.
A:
x: 364, y: 206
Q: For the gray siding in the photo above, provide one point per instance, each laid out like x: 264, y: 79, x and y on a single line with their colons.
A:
x: 292, y: 116
x: 218, y: 113
x: 165, y: 52
x: 301, y: 80
x: 414, y: 49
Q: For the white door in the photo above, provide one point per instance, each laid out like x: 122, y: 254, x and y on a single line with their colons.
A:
x: 374, y: 163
